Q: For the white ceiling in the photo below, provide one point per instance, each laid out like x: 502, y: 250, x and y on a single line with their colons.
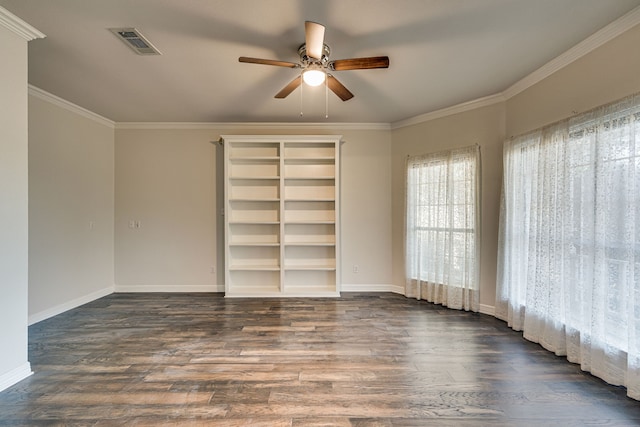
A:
x: 442, y: 53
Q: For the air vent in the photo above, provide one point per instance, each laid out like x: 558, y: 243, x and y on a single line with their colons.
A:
x: 136, y: 41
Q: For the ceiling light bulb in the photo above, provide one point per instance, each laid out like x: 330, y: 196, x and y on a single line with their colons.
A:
x: 313, y: 77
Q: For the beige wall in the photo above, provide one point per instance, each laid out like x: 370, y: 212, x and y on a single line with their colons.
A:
x: 165, y: 180
x: 366, y: 210
x: 483, y: 126
x: 13, y: 208
x: 71, y: 170
x: 169, y: 180
x: 606, y: 74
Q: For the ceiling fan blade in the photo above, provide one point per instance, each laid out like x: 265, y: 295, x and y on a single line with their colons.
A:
x: 338, y: 88
x: 293, y: 85
x: 314, y: 39
x: 268, y: 62
x: 360, y: 63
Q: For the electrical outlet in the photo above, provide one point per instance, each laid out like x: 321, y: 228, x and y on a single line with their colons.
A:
x: 213, y: 270
x: 356, y: 269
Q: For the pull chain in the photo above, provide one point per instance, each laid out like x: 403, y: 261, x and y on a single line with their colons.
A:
x: 301, y: 84
x: 326, y: 97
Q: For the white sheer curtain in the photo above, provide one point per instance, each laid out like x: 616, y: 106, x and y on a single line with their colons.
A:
x: 569, y: 261
x: 442, y: 240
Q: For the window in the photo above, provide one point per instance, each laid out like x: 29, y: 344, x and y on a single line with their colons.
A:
x: 441, y: 227
x: 569, y: 272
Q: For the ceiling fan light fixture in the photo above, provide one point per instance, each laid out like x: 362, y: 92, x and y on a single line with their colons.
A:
x: 314, y: 77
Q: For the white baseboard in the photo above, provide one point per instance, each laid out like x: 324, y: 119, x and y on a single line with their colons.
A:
x: 53, y: 311
x: 483, y: 309
x: 15, y: 375
x: 77, y: 302
x: 346, y: 287
x: 488, y: 309
x: 168, y: 288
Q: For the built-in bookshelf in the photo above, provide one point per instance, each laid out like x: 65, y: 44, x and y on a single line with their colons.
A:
x: 282, y: 215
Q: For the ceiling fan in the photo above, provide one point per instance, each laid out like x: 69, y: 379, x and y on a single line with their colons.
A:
x: 316, y: 66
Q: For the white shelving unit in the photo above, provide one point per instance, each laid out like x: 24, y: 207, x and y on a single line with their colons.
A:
x: 282, y: 215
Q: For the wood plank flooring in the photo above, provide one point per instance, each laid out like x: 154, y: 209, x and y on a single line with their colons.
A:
x: 360, y: 360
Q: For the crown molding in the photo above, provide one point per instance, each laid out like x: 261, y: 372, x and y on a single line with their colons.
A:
x: 251, y: 125
x: 449, y: 111
x: 18, y: 26
x: 591, y: 43
x: 69, y: 106
x: 604, y: 35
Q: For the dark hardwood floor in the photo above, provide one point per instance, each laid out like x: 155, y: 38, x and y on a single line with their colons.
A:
x: 360, y: 360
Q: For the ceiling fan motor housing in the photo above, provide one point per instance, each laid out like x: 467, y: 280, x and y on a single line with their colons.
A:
x: 306, y: 60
